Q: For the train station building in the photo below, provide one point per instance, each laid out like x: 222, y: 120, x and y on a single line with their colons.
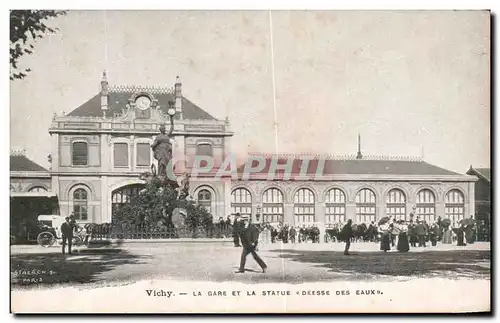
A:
x: 101, y: 147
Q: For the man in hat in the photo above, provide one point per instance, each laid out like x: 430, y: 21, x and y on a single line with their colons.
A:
x: 347, y: 235
x: 249, y: 235
x: 67, y: 235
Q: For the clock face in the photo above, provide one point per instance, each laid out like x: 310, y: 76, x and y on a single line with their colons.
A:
x: 143, y: 103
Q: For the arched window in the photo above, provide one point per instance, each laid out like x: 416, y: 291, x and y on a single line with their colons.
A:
x: 454, y: 205
x: 80, y: 204
x: 396, y: 204
x: 241, y: 202
x: 303, y: 206
x: 80, y: 153
x: 335, y: 206
x: 37, y: 189
x: 124, y: 195
x: 205, y: 199
x: 426, y: 206
x: 365, y: 206
x: 272, y: 205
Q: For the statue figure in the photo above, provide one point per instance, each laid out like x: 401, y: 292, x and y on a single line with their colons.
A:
x: 184, y: 187
x: 162, y: 148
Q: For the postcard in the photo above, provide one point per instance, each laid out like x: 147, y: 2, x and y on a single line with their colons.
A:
x: 268, y: 161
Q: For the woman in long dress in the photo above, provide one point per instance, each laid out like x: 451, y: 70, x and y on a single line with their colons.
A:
x: 403, y: 245
x: 447, y: 233
x: 385, y: 242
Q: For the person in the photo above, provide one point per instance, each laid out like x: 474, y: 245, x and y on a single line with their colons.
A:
x: 162, y: 148
x: 385, y: 241
x: 347, y: 235
x: 371, y: 231
x: 420, y: 230
x: 284, y: 234
x: 292, y: 234
x: 412, y: 232
x: 461, y: 235
x: 403, y: 245
x: 470, y: 230
x: 433, y: 234
x: 392, y: 233
x: 236, y: 228
x: 67, y: 235
x: 447, y: 233
x: 249, y: 236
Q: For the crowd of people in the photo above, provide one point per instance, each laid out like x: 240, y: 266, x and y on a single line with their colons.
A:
x: 390, y: 232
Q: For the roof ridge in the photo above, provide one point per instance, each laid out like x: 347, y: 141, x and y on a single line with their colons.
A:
x: 18, y: 152
x: 132, y: 88
x: 339, y: 156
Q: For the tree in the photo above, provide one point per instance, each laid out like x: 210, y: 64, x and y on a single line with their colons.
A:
x: 26, y: 26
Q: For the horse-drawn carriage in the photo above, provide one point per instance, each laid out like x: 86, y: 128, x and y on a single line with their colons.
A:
x: 50, y: 231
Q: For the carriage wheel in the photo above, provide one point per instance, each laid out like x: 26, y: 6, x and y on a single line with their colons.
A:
x: 45, y: 239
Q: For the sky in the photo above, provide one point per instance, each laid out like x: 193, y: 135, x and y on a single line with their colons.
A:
x: 406, y: 81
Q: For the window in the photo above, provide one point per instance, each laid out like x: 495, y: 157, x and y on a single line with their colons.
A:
x: 272, y: 205
x: 396, y: 204
x: 80, y: 153
x: 38, y: 189
x: 80, y: 205
x: 204, y: 150
x: 205, y: 200
x: 365, y: 206
x: 335, y: 206
x: 120, y: 155
x: 241, y: 202
x: 454, y: 205
x: 426, y: 206
x: 303, y: 206
x: 143, y: 154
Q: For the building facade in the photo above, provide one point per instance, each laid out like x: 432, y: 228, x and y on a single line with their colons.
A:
x: 482, y: 191
x: 100, y: 149
x: 363, y: 189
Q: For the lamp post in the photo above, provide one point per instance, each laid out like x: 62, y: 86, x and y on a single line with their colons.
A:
x: 171, y: 108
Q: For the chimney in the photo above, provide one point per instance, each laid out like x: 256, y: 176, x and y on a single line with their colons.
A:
x: 104, y: 94
x: 358, y: 155
x: 178, y: 96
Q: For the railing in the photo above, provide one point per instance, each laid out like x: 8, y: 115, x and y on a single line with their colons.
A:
x: 118, y: 230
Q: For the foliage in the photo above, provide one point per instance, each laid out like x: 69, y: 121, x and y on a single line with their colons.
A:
x: 155, y: 205
x: 26, y: 26
x: 197, y: 218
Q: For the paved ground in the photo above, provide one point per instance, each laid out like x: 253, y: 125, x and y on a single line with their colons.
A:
x: 32, y: 266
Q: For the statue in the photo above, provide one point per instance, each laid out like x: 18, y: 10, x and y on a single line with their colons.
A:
x: 162, y: 148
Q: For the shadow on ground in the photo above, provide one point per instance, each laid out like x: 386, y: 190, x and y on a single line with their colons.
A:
x: 362, y: 265
x: 35, y: 269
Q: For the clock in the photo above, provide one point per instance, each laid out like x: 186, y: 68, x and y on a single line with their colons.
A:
x: 143, y: 103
